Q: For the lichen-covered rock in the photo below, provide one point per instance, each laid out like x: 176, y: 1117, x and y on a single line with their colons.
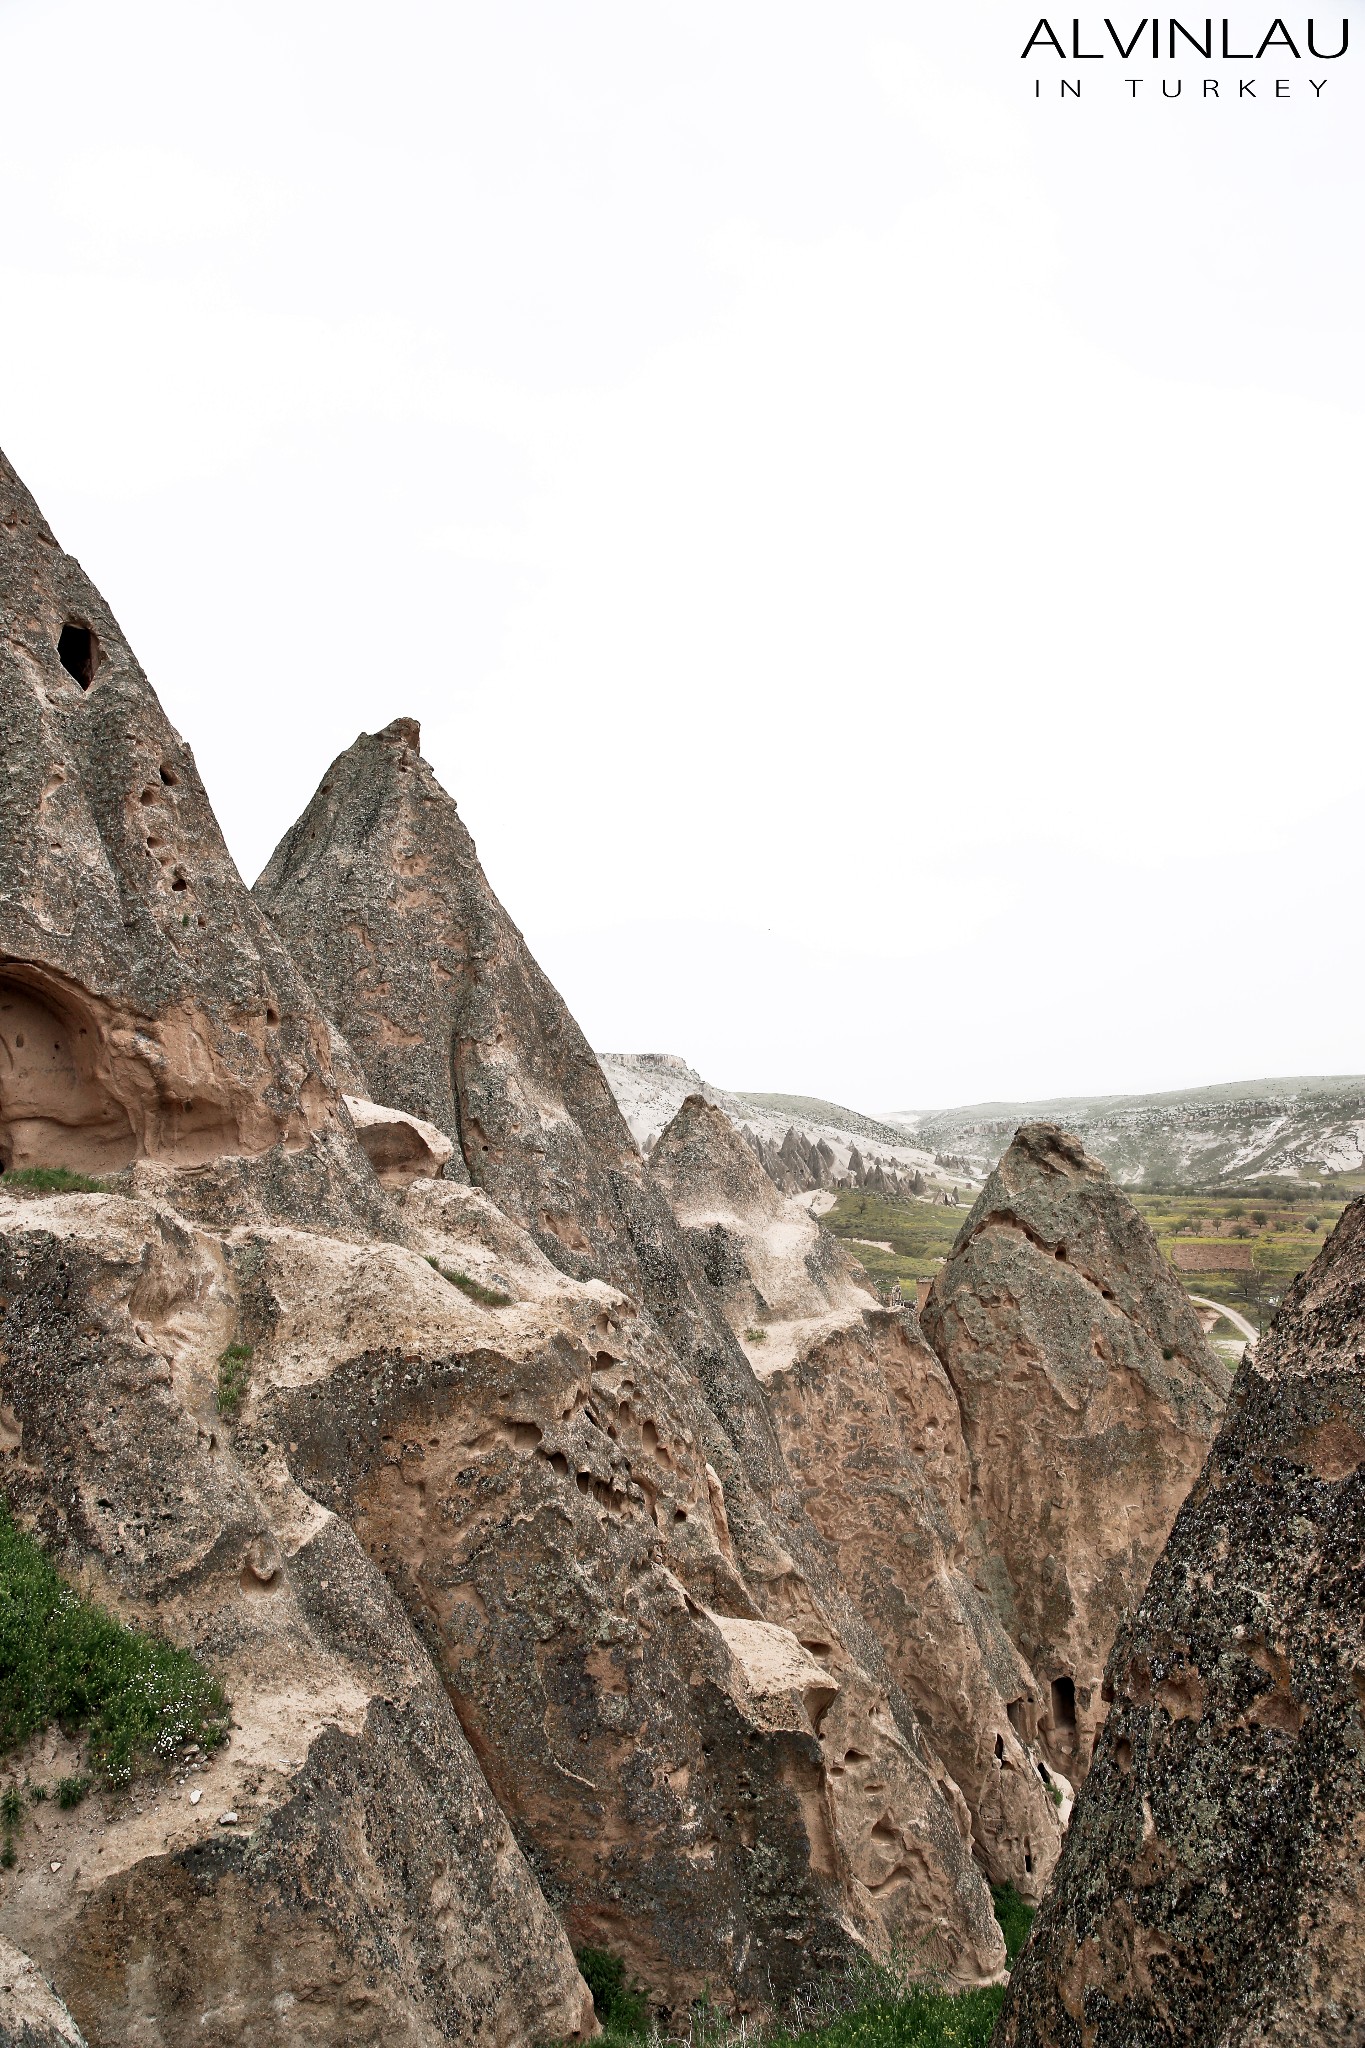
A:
x: 380, y: 895
x: 147, y: 1009
x: 1088, y: 1399
x: 1213, y: 1886
x: 698, y: 1749
x: 368, y: 1889
x: 31, y: 2014
x: 870, y: 1429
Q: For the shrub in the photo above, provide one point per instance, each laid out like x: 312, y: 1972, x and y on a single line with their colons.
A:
x: 71, y: 1791
x: 619, y: 2005
x: 63, y: 1659
x: 234, y: 1370
x: 755, y: 1336
x: 488, y: 1297
x: 53, y: 1180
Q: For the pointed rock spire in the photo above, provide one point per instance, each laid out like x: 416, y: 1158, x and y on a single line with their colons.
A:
x: 147, y: 1010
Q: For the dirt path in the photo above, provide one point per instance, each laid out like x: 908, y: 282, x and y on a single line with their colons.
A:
x: 1234, y: 1316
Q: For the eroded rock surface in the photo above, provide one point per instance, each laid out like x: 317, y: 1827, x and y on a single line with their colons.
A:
x: 369, y: 1886
x: 31, y: 2014
x: 1088, y: 1398
x: 870, y: 1428
x: 147, y: 1009
x: 1211, y: 1890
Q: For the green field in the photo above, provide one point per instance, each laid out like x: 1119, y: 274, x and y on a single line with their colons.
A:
x: 1281, y: 1227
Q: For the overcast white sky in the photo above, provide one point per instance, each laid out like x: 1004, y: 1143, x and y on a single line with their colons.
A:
x: 876, y: 557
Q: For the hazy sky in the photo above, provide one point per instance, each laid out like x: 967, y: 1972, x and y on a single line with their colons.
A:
x: 876, y: 556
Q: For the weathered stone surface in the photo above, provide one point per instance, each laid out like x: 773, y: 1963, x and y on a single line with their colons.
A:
x: 31, y: 2014
x: 1213, y: 1889
x: 401, y: 1148
x: 870, y: 1429
x: 147, y: 1010
x: 379, y: 892
x: 1088, y: 1399
x: 371, y: 1890
x: 678, y: 1721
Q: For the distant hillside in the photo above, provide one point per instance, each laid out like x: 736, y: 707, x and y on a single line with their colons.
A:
x: 1304, y: 1127
x: 831, y: 1115
x: 650, y: 1088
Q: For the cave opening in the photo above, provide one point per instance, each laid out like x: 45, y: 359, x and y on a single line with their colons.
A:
x: 80, y: 652
x: 1064, y: 1705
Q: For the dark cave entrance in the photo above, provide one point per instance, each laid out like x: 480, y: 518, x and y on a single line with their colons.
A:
x: 80, y: 652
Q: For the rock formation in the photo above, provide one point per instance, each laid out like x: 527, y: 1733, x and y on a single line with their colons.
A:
x: 147, y: 1010
x: 870, y: 1429
x: 540, y: 1620
x: 1211, y: 1890
x: 1088, y: 1397
x: 368, y: 1880
x: 31, y: 2014
x: 496, y: 1552
x: 671, y: 1454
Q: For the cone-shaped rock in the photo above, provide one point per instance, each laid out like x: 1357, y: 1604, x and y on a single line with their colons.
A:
x: 871, y: 1433
x: 147, y: 1010
x: 378, y: 892
x: 646, y: 1616
x: 1088, y: 1397
x: 1211, y: 1889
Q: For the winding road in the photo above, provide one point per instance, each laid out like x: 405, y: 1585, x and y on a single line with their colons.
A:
x: 1234, y: 1316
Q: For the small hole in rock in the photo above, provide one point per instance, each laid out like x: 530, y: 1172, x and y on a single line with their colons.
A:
x: 80, y: 653
x: 1063, y: 1704
x: 169, y: 776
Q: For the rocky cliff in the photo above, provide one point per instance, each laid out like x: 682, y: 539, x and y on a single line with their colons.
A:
x: 1088, y: 1398
x: 1211, y: 1890
x: 871, y: 1432
x: 585, y: 1556
x: 147, y: 1009
x: 674, y: 1463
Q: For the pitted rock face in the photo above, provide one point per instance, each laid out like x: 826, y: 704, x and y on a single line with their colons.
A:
x: 1088, y: 1398
x: 871, y: 1433
x: 147, y: 1010
x: 1213, y: 1885
x: 378, y: 892
x: 369, y: 1885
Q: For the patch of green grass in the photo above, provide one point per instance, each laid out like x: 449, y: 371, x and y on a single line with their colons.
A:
x: 755, y: 1336
x: 920, y: 1234
x: 870, y: 2005
x: 234, y: 1370
x: 1014, y: 1914
x: 62, y: 1659
x: 52, y: 1180
x: 71, y: 1791
x: 487, y: 1297
x: 620, y: 2005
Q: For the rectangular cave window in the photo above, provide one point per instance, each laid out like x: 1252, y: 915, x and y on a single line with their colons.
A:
x: 80, y: 653
x: 1063, y: 1704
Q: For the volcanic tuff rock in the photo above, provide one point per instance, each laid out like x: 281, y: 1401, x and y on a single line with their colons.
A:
x: 1088, y: 1398
x: 671, y: 1450
x: 31, y: 2014
x: 370, y: 1885
x: 870, y: 1429
x: 147, y: 1010
x: 1211, y: 1890
x: 515, y: 1398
